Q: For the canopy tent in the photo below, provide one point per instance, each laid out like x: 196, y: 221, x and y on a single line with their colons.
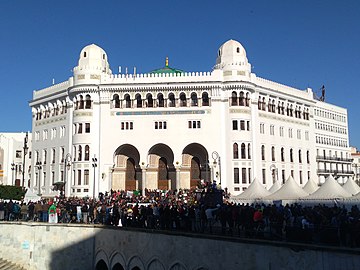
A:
x: 328, y: 191
x: 310, y: 187
x: 31, y: 196
x: 254, y: 192
x: 275, y: 187
x: 351, y: 187
x: 289, y: 191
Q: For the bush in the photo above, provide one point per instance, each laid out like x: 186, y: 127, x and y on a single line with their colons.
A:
x: 11, y: 192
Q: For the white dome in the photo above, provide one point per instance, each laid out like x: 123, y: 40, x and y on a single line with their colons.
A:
x: 232, y: 56
x: 92, y: 56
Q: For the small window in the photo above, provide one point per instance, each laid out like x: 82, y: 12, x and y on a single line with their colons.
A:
x: 238, y: 50
x: 84, y: 54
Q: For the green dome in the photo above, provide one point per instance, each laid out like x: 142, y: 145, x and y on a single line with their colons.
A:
x: 166, y: 69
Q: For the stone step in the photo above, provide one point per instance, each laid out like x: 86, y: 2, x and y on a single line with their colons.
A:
x: 6, y: 265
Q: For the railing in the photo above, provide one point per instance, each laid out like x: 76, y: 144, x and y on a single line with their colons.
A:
x: 337, y: 172
x: 334, y: 158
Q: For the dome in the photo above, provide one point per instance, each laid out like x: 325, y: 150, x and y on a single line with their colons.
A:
x: 167, y: 69
x: 232, y: 56
x: 92, y: 56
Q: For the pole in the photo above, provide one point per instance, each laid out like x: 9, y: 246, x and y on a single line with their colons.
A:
x: 25, y: 152
x: 94, y: 164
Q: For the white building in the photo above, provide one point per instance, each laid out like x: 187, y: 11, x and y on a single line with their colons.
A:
x: 15, y: 159
x: 169, y: 129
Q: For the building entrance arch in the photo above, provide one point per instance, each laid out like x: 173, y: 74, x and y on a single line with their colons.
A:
x: 196, y: 159
x: 161, y: 170
x: 126, y: 173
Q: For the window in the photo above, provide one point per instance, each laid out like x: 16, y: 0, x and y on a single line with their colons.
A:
x: 248, y: 125
x: 263, y: 152
x: 264, y: 176
x: 87, y: 102
x: 283, y: 176
x: 160, y: 100
x: 300, y: 177
x: 249, y: 151
x: 299, y: 134
x: 171, y: 100
x: 281, y: 131
x: 79, y: 153
x: 235, y: 125
x: 243, y: 175
x: 194, y: 124
x: 272, y: 130
x: 182, y: 98
x: 282, y: 154
x: 242, y: 125
x: 235, y: 151
x: 127, y: 125
x: 290, y: 133
x: 234, y: 100
x: 18, y: 154
x: 149, y: 101
x: 273, y: 153
x: 194, y: 99
x: 80, y: 128
x: 53, y: 156
x: 87, y: 127
x: 300, y: 159
x: 116, y: 101
x: 86, y: 177
x: 160, y: 125
x: 291, y: 156
x: 236, y: 176
x: 243, y: 151
x: 79, y: 177
x: 87, y: 153
x: 249, y: 174
x: 308, y: 157
x: 241, y: 99
x: 138, y: 101
x: 52, y: 177
x: 262, y: 128
x: 307, y: 135
x: 205, y: 99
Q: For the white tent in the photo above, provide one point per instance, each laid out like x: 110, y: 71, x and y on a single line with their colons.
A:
x: 275, y: 187
x: 351, y: 187
x: 289, y: 191
x: 310, y: 187
x: 31, y: 196
x: 328, y: 191
x: 254, y: 192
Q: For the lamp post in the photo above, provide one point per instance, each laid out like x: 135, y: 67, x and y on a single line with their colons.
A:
x: 13, y: 170
x: 274, y: 172
x: 216, y: 157
x: 67, y: 166
x: 25, y: 153
x: 38, y: 165
x: 94, y: 164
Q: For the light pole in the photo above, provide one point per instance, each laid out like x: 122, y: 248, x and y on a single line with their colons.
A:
x: 67, y: 166
x: 274, y: 172
x: 25, y: 153
x: 38, y: 165
x: 94, y: 164
x: 216, y: 157
x: 13, y: 170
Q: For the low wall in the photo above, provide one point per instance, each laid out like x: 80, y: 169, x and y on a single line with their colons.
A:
x: 71, y: 246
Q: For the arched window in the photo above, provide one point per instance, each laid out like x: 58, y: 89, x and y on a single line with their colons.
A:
x: 235, y: 151
x: 241, y: 99
x: 234, y: 99
x: 138, y: 101
x: 263, y: 104
x: 205, y: 99
x: 81, y: 102
x: 247, y: 100
x: 160, y: 99
x: 87, y: 152
x: 300, y: 159
x: 249, y: 151
x: 171, y: 99
x: 194, y: 99
x: 282, y: 154
x: 182, y: 97
x: 79, y: 153
x: 243, y: 151
x: 149, y: 101
x: 263, y: 152
x: 127, y: 101
x: 273, y: 153
x: 88, y: 102
x: 116, y: 101
x: 291, y: 156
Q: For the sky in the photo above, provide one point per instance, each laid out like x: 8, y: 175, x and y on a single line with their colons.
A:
x: 302, y: 44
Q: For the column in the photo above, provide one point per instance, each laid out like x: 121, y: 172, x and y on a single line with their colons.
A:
x: 143, y: 180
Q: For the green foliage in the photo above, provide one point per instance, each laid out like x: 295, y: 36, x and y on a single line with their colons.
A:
x: 11, y: 192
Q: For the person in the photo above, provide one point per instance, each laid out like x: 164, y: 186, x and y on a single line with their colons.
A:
x: 2, y: 210
x: 53, y: 214
x: 24, y: 212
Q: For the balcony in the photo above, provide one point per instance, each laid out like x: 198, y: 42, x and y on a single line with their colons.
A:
x: 334, y: 159
x: 336, y: 172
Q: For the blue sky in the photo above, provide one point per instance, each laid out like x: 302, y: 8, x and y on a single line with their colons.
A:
x: 297, y: 43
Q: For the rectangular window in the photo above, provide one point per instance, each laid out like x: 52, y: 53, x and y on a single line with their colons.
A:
x: 236, y: 176
x: 299, y: 134
x: 62, y: 176
x: 307, y: 135
x: 235, y: 125
x: 262, y: 129
x: 52, y: 177
x: 86, y: 177
x: 131, y: 125
x: 292, y: 173
x: 243, y: 175
x: 264, y: 176
x: 290, y: 132
x: 242, y: 125
x: 300, y: 177
x: 79, y: 178
x: 156, y: 125
x: 122, y: 125
x: 164, y: 124
x: 194, y: 124
x: 272, y: 130
x: 189, y: 124
x: 281, y: 130
x: 80, y: 128
x: 248, y: 125
x: 283, y: 176
x: 87, y: 127
x: 249, y: 175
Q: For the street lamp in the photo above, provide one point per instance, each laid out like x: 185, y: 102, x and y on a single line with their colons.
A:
x: 216, y: 158
x: 274, y: 172
x: 94, y: 164
x: 38, y: 165
x: 68, y: 162
x: 13, y: 170
x: 25, y: 153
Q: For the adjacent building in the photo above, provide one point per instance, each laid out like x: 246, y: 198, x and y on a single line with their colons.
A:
x: 169, y: 128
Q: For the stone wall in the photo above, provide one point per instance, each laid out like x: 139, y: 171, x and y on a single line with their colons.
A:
x: 71, y: 246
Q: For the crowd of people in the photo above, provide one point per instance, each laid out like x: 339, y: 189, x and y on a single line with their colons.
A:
x: 199, y: 211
